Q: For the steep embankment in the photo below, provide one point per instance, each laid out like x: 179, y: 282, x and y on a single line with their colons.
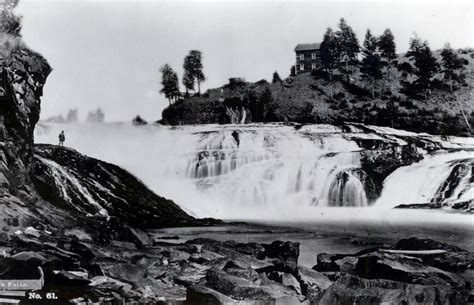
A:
x: 311, y: 98
x: 87, y: 186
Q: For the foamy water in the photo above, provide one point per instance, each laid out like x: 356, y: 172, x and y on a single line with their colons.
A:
x: 267, y: 172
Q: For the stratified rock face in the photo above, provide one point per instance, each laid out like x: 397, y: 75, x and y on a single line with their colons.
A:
x: 22, y: 76
x: 86, y: 186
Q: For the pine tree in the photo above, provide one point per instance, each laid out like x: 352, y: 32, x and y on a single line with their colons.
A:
x: 276, y: 78
x: 188, y: 82
x: 169, y: 81
x: 425, y: 63
x: 371, y: 62
x: 348, y: 44
x: 452, y: 66
x: 193, y: 66
x: 387, y: 49
x: 330, y: 54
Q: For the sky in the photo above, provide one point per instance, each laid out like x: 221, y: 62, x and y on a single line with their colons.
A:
x: 107, y: 54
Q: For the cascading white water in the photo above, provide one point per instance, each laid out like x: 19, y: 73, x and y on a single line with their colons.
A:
x: 241, y: 171
x: 422, y: 181
x: 62, y: 176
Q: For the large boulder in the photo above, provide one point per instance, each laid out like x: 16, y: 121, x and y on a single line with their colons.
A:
x: 405, y: 269
x: 243, y: 289
x: 351, y: 289
x: 454, y: 259
x: 286, y: 253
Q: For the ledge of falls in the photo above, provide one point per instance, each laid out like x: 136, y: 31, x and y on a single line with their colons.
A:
x: 241, y: 170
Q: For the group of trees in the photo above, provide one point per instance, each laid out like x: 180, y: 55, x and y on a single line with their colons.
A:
x: 340, y: 51
x: 96, y: 116
x: 72, y: 116
x: 193, y: 75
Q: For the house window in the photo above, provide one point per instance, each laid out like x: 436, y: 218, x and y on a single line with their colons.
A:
x: 313, y: 55
x: 301, y: 67
x: 301, y: 56
x: 313, y: 66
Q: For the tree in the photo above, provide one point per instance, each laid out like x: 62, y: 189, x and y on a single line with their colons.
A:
x: 96, y: 116
x: 72, y: 116
x: 387, y: 49
x: 169, y: 81
x: 453, y: 67
x: 188, y: 82
x: 276, y: 78
x: 329, y: 51
x: 371, y: 62
x: 10, y: 23
x: 425, y: 63
x: 193, y: 66
x: 348, y: 44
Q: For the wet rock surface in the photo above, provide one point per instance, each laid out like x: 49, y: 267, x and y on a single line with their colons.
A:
x: 86, y: 186
x: 205, y: 271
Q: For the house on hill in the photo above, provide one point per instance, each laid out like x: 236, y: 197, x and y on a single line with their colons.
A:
x: 307, y: 57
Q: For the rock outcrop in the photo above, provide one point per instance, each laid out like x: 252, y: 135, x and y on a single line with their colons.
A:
x: 414, y: 271
x: 205, y: 271
x: 22, y: 77
x: 87, y: 186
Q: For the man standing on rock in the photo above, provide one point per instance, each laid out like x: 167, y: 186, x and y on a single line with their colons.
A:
x: 62, y: 138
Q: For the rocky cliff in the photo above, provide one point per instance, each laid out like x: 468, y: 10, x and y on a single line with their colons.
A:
x: 23, y: 75
x: 57, y: 187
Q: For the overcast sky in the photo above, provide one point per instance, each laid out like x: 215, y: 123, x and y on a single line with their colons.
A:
x: 107, y: 54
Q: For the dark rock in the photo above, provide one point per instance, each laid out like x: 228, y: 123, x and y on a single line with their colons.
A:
x: 139, y: 121
x: 428, y: 205
x: 137, y: 236
x: 405, y: 269
x: 287, y: 254
x: 198, y: 295
x: 350, y: 289
x: 326, y: 262
x: 311, y: 281
x: 24, y: 265
x: 454, y: 260
x: 243, y: 289
x: 464, y: 205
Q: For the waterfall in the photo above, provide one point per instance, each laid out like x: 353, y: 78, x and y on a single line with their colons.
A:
x: 443, y: 178
x: 236, y: 116
x: 266, y: 169
x: 63, y: 177
x: 347, y: 190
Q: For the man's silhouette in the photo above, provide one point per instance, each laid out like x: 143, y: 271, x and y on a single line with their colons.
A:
x: 62, y: 138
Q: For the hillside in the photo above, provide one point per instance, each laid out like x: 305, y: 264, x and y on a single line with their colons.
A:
x: 306, y: 98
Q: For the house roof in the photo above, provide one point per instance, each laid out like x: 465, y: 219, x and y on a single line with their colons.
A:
x: 307, y: 46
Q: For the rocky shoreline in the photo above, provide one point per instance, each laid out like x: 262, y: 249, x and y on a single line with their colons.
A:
x: 140, y: 270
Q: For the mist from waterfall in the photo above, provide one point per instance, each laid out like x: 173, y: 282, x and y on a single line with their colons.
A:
x: 255, y: 171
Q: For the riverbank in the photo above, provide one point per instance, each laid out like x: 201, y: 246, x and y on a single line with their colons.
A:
x: 278, y: 263
x: 324, y: 236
